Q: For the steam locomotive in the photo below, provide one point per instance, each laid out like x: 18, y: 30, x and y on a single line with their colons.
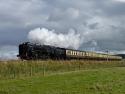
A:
x: 29, y: 51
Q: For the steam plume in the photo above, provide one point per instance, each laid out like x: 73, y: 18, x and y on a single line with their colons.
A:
x: 49, y: 37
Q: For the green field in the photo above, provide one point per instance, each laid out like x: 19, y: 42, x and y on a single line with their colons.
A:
x: 91, y: 81
x: 62, y: 77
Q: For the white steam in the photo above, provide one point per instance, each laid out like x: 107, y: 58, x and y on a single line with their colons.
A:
x: 49, y: 37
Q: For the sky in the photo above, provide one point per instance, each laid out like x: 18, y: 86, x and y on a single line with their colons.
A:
x: 100, y: 23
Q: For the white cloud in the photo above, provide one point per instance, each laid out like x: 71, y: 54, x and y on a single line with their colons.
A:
x: 120, y: 1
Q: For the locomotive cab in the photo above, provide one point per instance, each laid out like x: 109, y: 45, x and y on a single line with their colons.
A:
x: 23, y: 51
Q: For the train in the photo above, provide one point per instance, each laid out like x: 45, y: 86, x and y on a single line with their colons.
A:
x: 33, y: 51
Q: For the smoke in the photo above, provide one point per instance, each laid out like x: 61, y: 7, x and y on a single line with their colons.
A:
x: 44, y: 36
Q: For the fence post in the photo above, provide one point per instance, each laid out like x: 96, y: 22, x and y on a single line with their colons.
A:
x: 79, y: 65
x: 14, y: 73
x: 30, y: 70
x: 43, y: 69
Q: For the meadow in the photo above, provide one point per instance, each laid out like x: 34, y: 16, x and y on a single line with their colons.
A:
x: 62, y: 77
x: 18, y: 69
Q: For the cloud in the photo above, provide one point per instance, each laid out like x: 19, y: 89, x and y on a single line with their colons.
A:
x: 8, y: 52
x: 101, y: 21
x: 120, y: 1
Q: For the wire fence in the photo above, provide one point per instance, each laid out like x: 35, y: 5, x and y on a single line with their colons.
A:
x: 19, y: 69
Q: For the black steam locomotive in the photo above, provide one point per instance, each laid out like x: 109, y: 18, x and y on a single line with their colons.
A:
x: 29, y: 50
x: 33, y: 51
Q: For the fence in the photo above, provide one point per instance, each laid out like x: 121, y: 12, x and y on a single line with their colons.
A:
x: 19, y: 69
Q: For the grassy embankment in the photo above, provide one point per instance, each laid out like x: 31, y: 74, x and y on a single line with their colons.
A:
x: 90, y: 81
x: 62, y: 77
x: 19, y: 69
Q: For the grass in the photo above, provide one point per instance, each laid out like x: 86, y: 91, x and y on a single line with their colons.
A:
x: 19, y: 69
x: 62, y: 77
x: 89, y: 81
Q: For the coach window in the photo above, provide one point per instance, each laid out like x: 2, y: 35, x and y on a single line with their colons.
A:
x: 68, y: 52
x: 86, y: 53
x: 79, y: 53
x: 76, y: 53
x: 82, y: 53
x: 92, y: 54
x: 72, y: 52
